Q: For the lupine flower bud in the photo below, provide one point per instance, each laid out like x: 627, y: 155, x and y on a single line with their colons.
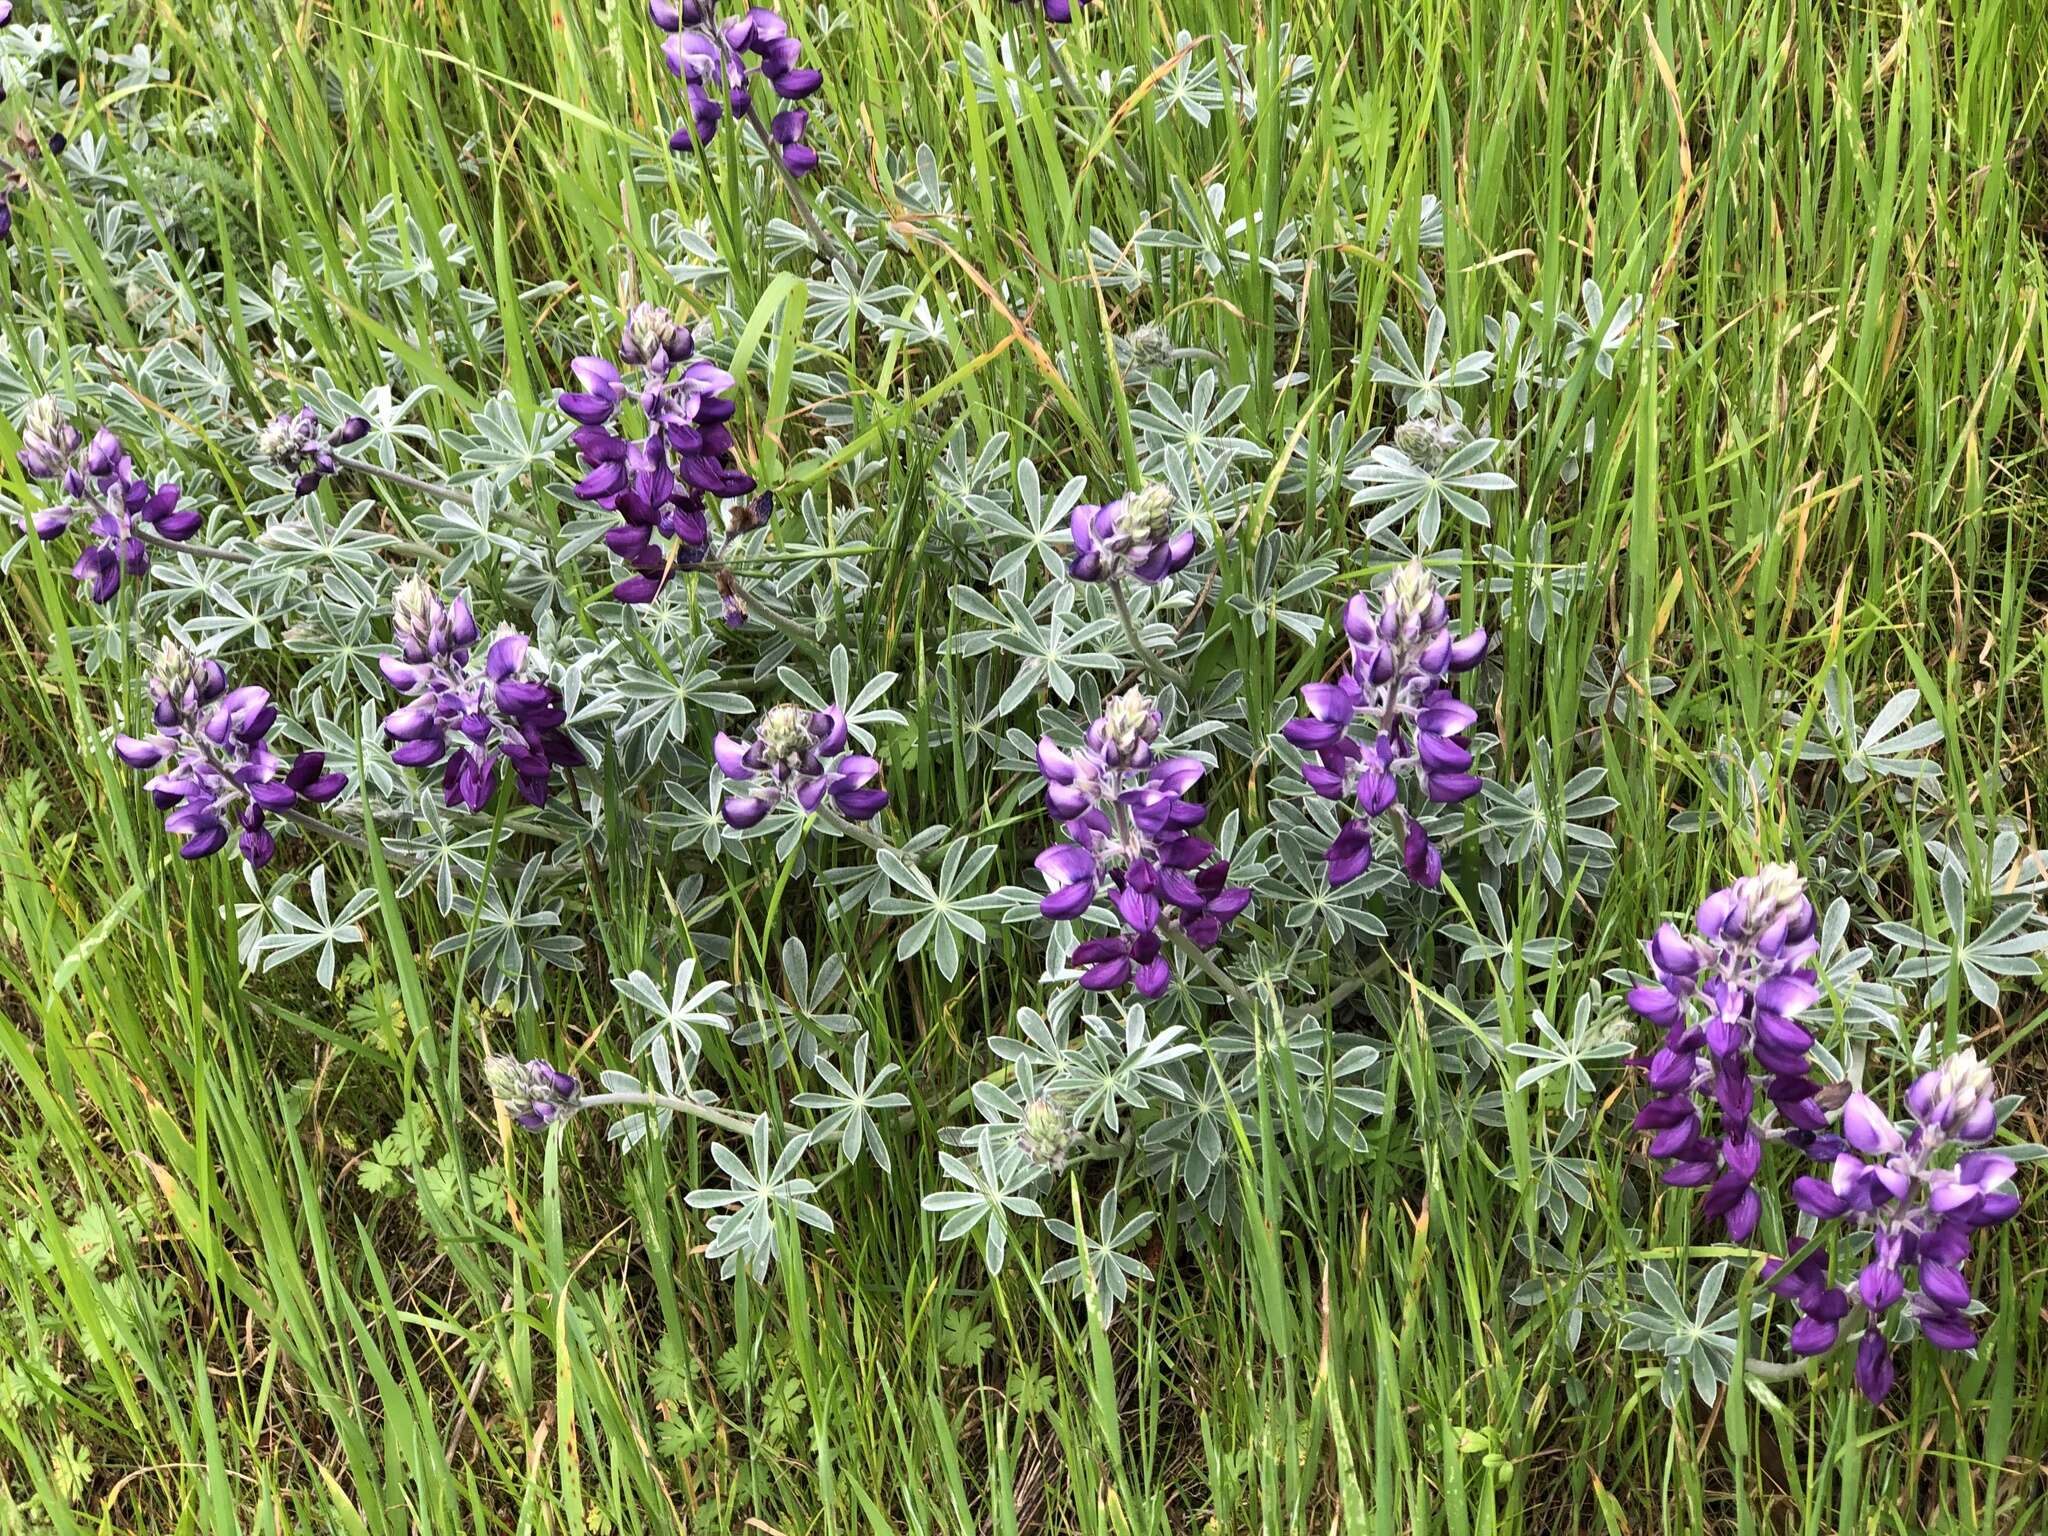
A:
x: 1921, y: 1209
x: 1148, y: 348
x: 1128, y: 837
x: 1045, y: 1135
x: 1131, y: 536
x: 533, y: 1093
x: 797, y: 753
x: 1392, y: 716
x: 293, y: 443
x: 1729, y: 999
x: 473, y: 716
x: 49, y: 443
x: 1428, y: 442
x: 1957, y: 1100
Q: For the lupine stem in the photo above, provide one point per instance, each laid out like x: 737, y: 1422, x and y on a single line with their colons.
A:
x: 1215, y: 972
x: 156, y: 540
x: 1154, y: 663
x: 725, y: 1119
x: 399, y: 477
x: 1045, y: 43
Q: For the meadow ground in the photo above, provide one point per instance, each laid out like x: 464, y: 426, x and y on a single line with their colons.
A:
x: 272, y: 1263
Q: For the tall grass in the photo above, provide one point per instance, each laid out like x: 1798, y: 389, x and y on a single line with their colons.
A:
x: 216, y: 1323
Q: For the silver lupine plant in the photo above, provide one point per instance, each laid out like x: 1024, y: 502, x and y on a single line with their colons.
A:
x: 1205, y: 959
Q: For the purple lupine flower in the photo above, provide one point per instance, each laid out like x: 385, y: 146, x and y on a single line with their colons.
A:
x: 801, y: 753
x: 1391, y: 715
x: 6, y: 12
x: 717, y: 66
x: 1129, y: 836
x: 101, y: 489
x: 474, y: 716
x: 534, y: 1093
x: 1922, y: 1207
x: 293, y: 442
x: 218, y: 771
x: 1058, y: 10
x: 1728, y: 997
x: 658, y: 484
x: 1131, y: 536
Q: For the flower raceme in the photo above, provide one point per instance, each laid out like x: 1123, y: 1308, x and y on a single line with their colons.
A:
x: 1728, y: 997
x: 473, y: 716
x: 293, y: 443
x: 1391, y: 715
x: 1131, y: 536
x: 1128, y: 836
x: 217, y: 769
x: 534, y: 1093
x: 100, y: 488
x: 658, y: 483
x: 800, y: 753
x: 1922, y: 1194
x: 718, y: 65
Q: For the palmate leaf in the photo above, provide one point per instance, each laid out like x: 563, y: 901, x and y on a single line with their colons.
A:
x: 1403, y: 488
x: 2006, y: 948
x: 1888, y: 747
x: 993, y: 1193
x: 743, y: 1231
x: 1422, y: 382
x: 944, y: 912
x: 851, y: 1106
x: 1102, y: 1268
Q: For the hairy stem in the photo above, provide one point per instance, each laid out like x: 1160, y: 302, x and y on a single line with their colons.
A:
x: 1154, y: 663
x: 156, y: 540
x: 710, y: 1114
x: 400, y: 478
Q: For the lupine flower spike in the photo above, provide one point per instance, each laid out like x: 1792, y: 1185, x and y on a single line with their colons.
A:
x: 293, y: 443
x: 1132, y: 536
x: 658, y: 483
x: 718, y: 66
x: 474, y: 716
x: 1728, y: 997
x: 101, y: 489
x: 534, y: 1093
x: 797, y: 753
x: 1922, y: 1193
x: 1129, y: 836
x: 218, y: 772
x: 1391, y: 716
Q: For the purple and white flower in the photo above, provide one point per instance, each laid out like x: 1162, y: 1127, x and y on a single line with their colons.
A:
x: 473, y: 716
x: 1390, y: 716
x: 1128, y: 837
x: 797, y: 753
x: 1922, y: 1193
x: 293, y: 442
x: 662, y: 477
x: 1132, y: 536
x: 719, y: 67
x: 1729, y: 997
x: 99, y: 488
x: 217, y: 771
